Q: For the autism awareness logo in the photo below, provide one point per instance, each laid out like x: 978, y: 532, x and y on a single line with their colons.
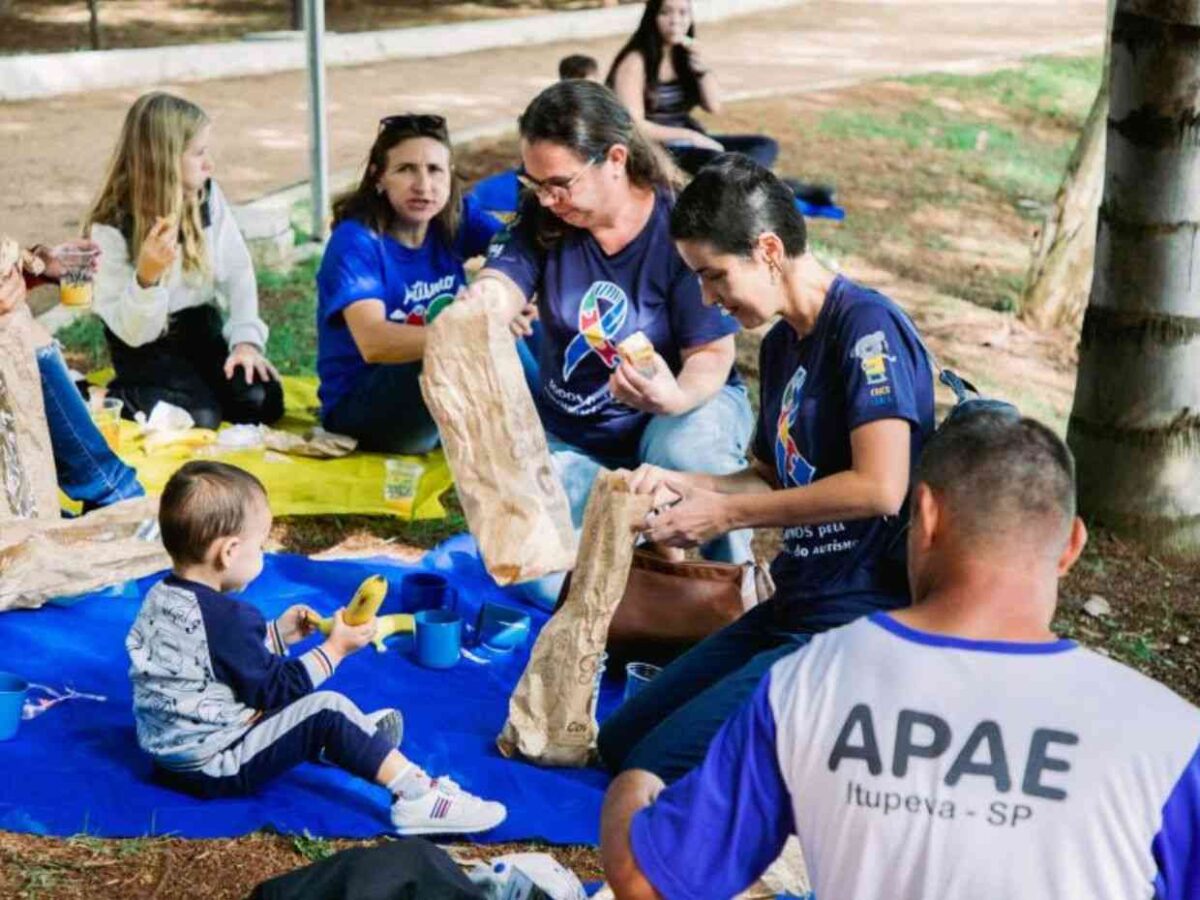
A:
x: 602, y: 312
x: 794, y: 470
x: 424, y: 314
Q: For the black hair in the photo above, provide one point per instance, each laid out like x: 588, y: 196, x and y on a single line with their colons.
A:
x: 588, y: 119
x: 647, y: 41
x: 577, y: 65
x: 203, y: 501
x: 1000, y: 473
x: 731, y: 202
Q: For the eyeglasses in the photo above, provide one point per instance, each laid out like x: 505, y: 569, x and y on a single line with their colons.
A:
x: 554, y: 188
x: 418, y: 123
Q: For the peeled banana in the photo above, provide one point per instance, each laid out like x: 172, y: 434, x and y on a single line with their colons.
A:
x: 364, y: 606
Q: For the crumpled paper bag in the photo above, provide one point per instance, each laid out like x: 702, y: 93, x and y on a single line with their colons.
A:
x: 475, y: 389
x: 551, y: 719
x: 317, y: 443
x: 28, y: 483
x: 42, y: 559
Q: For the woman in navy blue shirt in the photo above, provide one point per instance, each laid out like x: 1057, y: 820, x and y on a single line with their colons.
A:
x: 393, y: 263
x: 847, y: 404
x: 591, y: 243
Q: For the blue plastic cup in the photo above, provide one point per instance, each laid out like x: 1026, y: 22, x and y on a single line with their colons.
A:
x: 425, y: 590
x: 438, y: 638
x: 12, y: 699
x: 637, y: 676
x: 503, y: 628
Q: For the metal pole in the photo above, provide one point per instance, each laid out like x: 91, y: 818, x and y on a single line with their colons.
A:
x: 318, y: 140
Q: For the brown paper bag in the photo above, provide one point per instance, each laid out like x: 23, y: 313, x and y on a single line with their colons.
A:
x: 475, y: 389
x: 551, y: 714
x: 28, y: 484
x: 40, y: 559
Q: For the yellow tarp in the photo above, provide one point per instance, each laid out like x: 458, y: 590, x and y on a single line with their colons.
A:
x: 297, y: 486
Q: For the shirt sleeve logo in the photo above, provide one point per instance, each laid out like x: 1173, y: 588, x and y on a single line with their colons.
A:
x: 871, y: 351
x: 790, y: 465
x: 602, y: 312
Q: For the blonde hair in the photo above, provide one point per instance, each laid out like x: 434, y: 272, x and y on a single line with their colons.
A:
x: 143, y: 180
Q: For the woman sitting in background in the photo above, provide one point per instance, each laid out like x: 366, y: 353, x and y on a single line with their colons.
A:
x: 172, y: 255
x: 395, y: 260
x: 660, y: 77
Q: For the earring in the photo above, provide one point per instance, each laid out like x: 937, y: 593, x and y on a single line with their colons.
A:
x: 379, y: 189
x: 774, y: 274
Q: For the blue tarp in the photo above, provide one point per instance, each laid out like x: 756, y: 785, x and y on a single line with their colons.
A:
x: 77, y: 768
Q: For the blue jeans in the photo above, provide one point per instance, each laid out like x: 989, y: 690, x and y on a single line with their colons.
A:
x: 667, y: 727
x: 88, y: 471
x: 711, y: 439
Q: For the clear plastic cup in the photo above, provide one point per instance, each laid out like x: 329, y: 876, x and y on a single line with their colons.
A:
x: 106, y: 414
x: 637, y: 676
x: 75, y: 283
x: 401, y: 478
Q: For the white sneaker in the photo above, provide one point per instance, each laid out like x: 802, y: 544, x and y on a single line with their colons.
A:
x: 446, y: 809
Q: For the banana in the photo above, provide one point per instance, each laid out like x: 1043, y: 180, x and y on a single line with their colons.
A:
x: 366, y: 600
x: 364, y: 606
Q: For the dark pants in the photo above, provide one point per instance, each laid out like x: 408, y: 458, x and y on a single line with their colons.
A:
x: 322, y: 721
x: 667, y: 727
x: 185, y: 367
x: 386, y: 412
x: 760, y: 148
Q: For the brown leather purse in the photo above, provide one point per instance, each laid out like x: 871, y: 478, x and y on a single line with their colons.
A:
x: 669, y: 606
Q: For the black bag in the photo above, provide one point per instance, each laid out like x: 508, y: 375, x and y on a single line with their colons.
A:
x: 407, y: 869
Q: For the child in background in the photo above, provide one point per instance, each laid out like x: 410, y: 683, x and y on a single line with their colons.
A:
x: 578, y: 65
x: 218, y: 703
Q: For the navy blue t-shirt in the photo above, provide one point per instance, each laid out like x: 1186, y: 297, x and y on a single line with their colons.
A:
x: 861, y: 362
x: 414, y: 285
x: 588, y: 302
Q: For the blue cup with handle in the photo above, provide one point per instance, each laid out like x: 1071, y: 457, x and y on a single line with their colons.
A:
x: 425, y: 590
x: 12, y: 700
x: 438, y: 638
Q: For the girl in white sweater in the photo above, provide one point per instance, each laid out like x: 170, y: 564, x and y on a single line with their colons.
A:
x: 172, y: 261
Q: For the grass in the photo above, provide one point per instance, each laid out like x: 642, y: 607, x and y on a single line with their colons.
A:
x: 313, y: 849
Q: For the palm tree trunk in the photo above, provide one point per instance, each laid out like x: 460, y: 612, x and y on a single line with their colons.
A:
x: 1135, y: 425
x: 1060, y: 276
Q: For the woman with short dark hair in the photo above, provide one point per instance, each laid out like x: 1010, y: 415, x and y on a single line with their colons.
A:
x: 847, y: 404
x: 394, y: 261
x: 660, y: 76
x: 591, y: 244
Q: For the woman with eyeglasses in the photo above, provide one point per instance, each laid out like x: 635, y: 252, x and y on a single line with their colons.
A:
x: 660, y: 76
x: 591, y: 244
x: 394, y: 261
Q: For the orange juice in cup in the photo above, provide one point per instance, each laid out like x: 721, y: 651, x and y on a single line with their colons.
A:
x: 107, y: 416
x: 75, y: 283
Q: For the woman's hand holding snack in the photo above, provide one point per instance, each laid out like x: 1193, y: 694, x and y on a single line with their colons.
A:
x: 158, y: 252
x: 658, y: 394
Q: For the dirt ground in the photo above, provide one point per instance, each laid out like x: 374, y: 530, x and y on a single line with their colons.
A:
x: 56, y: 26
x: 260, y: 135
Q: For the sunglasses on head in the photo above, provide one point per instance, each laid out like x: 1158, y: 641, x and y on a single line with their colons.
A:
x: 419, y: 123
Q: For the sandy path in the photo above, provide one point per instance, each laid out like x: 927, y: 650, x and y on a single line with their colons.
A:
x: 53, y: 152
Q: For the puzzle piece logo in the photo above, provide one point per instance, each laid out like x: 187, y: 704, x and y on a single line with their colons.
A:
x: 793, y: 469
x: 602, y: 312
